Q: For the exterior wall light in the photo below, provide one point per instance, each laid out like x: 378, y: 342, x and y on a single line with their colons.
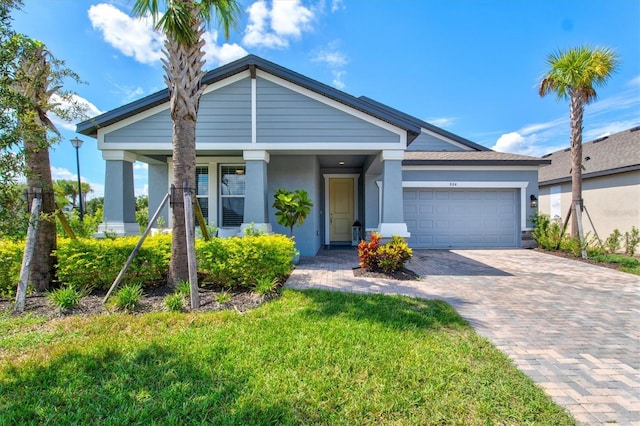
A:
x: 534, y: 201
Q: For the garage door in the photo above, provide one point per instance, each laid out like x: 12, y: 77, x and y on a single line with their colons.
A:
x: 461, y: 218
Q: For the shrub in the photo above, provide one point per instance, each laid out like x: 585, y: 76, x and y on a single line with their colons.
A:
x: 266, y: 285
x: 238, y: 261
x: 389, y: 257
x: 367, y: 251
x: 223, y: 297
x: 546, y: 232
x: 393, y: 255
x: 183, y: 288
x: 99, y: 261
x: 65, y: 298
x: 10, y: 263
x: 174, y: 302
x: 612, y: 243
x: 128, y: 297
x: 631, y: 241
x: 253, y: 230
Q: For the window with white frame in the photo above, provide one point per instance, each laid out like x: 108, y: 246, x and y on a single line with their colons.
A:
x: 232, y: 180
x: 202, y: 190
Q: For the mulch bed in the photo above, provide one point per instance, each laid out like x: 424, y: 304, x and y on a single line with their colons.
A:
x: 566, y: 255
x: 151, y: 301
x: 401, y: 275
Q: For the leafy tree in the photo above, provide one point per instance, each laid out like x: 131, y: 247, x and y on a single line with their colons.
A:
x: 31, y: 81
x: 183, y: 25
x: 574, y: 74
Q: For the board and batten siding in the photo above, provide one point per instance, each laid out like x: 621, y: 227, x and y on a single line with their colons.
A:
x: 285, y: 116
x: 224, y: 117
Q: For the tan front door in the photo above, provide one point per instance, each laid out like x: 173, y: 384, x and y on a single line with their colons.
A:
x: 340, y: 209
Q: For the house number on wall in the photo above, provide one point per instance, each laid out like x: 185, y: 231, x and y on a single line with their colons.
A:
x: 453, y: 184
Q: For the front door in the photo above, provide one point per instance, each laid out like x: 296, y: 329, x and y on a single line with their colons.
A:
x: 340, y: 208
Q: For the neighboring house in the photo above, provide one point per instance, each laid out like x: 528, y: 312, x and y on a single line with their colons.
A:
x: 610, y: 183
x: 262, y: 126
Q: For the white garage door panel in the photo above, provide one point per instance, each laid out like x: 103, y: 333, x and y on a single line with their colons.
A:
x: 445, y: 218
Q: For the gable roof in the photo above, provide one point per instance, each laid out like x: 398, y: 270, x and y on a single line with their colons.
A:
x: 250, y: 62
x: 425, y: 125
x: 607, y: 155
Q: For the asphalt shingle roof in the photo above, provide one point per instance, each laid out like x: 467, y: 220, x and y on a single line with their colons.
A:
x: 469, y: 157
x: 607, y: 155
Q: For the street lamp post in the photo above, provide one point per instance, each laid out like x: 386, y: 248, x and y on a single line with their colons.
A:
x: 77, y: 143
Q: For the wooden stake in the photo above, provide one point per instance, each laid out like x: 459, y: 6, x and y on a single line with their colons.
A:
x: 191, y: 249
x: 564, y: 228
x: 30, y: 245
x: 580, y: 230
x: 136, y: 249
x: 202, y: 222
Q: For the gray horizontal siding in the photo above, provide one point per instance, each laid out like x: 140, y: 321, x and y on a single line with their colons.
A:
x: 224, y: 117
x: 427, y: 142
x: 284, y: 116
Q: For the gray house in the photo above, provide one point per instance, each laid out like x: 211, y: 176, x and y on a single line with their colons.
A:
x: 610, y: 183
x: 262, y: 126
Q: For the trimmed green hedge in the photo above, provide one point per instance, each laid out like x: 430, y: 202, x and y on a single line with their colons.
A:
x: 10, y: 263
x: 241, y: 261
x: 95, y: 263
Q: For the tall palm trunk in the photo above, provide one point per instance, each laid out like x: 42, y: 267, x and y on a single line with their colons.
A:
x: 39, y: 179
x: 576, y: 113
x: 183, y: 76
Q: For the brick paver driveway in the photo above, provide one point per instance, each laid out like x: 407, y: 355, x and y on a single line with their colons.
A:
x: 573, y: 327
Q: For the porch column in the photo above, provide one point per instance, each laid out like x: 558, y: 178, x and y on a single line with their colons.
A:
x: 392, y: 220
x: 158, y: 188
x: 119, y: 198
x: 256, y: 199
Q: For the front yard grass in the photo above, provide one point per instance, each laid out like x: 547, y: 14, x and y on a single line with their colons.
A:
x: 309, y: 357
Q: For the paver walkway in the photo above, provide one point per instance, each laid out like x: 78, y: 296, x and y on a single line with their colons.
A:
x: 573, y: 327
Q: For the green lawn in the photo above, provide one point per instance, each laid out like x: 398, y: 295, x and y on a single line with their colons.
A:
x: 308, y: 357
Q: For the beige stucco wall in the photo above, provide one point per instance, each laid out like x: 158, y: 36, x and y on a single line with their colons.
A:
x: 611, y: 201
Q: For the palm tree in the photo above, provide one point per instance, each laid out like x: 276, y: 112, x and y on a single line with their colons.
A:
x: 183, y: 25
x: 573, y: 74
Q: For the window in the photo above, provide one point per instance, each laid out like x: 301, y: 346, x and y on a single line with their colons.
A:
x: 232, y: 195
x: 202, y: 190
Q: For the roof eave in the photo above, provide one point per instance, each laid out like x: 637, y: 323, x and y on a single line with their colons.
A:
x: 90, y: 127
x: 600, y: 173
x: 474, y: 162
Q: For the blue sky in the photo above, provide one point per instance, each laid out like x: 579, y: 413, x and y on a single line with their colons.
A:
x: 469, y: 66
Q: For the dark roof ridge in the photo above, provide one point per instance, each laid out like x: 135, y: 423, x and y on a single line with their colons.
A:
x: 426, y: 125
x: 90, y: 126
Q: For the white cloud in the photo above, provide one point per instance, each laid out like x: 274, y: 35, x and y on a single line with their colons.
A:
x: 272, y: 28
x: 335, y: 60
x: 337, y: 5
x: 141, y: 190
x: 609, y: 128
x: 634, y: 82
x: 139, y: 165
x: 216, y: 55
x: 442, y: 121
x: 133, y: 37
x: 89, y: 109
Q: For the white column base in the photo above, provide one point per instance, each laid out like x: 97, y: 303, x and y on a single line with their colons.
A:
x: 388, y: 230
x: 119, y: 229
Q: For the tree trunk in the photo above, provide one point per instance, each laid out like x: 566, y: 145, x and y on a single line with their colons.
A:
x: 183, y: 75
x: 184, y: 171
x: 576, y: 113
x: 39, y: 178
